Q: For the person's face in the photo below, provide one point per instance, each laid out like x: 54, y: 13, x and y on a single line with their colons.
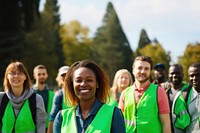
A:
x: 59, y: 80
x: 141, y: 71
x: 123, y: 81
x: 175, y: 75
x: 159, y: 73
x: 16, y: 79
x: 40, y: 76
x: 194, y: 76
x: 84, y: 83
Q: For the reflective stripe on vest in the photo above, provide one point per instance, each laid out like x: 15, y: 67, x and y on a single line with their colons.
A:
x: 180, y: 115
x: 145, y: 113
x: 20, y: 124
x: 100, y: 124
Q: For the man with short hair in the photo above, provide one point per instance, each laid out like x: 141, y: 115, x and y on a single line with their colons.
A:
x: 40, y: 87
x: 159, y: 75
x: 145, y: 105
x: 175, y: 75
x: 186, y: 109
x: 194, y: 99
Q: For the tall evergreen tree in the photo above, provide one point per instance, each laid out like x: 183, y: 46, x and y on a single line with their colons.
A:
x: 16, y: 17
x: 44, y: 40
x: 111, y: 48
x: 143, y: 41
x: 51, y: 14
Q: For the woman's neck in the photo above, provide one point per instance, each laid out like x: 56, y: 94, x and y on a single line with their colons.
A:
x: 86, y: 107
x: 17, y: 91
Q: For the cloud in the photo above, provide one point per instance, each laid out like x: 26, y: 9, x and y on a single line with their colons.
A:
x: 89, y: 15
x: 171, y: 22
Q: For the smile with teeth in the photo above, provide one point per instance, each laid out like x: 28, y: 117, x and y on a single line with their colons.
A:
x: 84, y: 91
x: 16, y: 81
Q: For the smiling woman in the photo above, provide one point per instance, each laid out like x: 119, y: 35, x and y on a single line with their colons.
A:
x: 18, y: 114
x: 86, y: 89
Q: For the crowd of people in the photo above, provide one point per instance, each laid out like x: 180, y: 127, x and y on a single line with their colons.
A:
x: 86, y: 103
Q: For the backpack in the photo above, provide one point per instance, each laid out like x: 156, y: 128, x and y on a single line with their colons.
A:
x: 185, y: 93
x: 32, y: 102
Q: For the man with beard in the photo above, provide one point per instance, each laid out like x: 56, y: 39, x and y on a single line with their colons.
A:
x: 40, y: 87
x: 176, y: 84
x: 159, y: 75
x: 145, y: 105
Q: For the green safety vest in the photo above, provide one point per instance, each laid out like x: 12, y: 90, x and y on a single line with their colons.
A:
x: 144, y: 117
x: 112, y: 102
x: 49, y: 106
x: 181, y: 117
x: 19, y: 124
x: 65, y: 103
x: 100, y: 124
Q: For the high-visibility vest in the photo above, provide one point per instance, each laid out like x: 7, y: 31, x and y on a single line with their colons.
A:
x: 180, y: 116
x: 21, y: 123
x: 100, y: 124
x: 143, y: 117
x: 49, y: 106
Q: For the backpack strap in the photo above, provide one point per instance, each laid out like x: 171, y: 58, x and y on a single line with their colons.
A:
x: 3, y: 105
x: 32, y: 104
x: 185, y: 93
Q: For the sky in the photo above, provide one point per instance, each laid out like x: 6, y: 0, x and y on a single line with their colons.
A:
x: 174, y: 23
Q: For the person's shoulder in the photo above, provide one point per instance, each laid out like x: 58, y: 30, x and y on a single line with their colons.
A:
x: 34, y: 87
x: 51, y: 91
x: 128, y: 88
x: 166, y: 85
x: 38, y: 96
x: 2, y: 94
x: 59, y: 95
x: 59, y: 92
x: 155, y: 81
x: 161, y: 91
x: 67, y: 110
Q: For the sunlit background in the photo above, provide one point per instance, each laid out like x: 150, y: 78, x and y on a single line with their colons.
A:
x: 174, y: 23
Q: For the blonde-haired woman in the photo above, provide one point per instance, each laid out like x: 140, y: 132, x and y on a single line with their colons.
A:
x: 121, y: 81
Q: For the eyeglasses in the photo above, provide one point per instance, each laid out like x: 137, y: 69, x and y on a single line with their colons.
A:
x: 16, y: 73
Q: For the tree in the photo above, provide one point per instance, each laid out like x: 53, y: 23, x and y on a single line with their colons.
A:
x: 191, y: 55
x: 44, y: 44
x: 76, y: 41
x: 51, y: 19
x: 111, y: 48
x: 18, y: 15
x: 16, y: 18
x: 143, y: 41
x: 157, y: 54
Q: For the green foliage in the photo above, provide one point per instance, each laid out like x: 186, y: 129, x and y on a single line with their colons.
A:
x: 143, y: 41
x: 75, y: 40
x: 12, y: 46
x: 18, y: 15
x: 16, y: 18
x: 111, y: 49
x: 157, y: 54
x: 191, y: 55
x: 51, y: 20
x: 44, y: 46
